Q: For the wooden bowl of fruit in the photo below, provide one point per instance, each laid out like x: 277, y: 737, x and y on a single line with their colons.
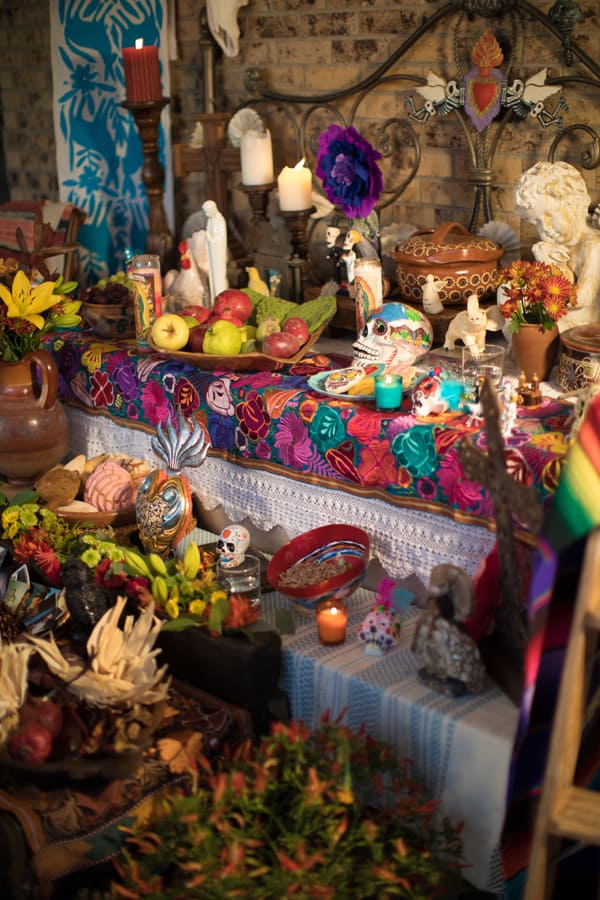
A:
x: 260, y: 334
x: 108, y: 307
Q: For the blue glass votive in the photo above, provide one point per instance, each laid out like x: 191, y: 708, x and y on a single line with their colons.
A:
x: 388, y: 391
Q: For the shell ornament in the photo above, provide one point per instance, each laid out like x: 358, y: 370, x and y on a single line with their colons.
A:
x: 163, y: 507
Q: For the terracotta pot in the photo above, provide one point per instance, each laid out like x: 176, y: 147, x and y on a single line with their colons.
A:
x: 33, y: 425
x: 579, y: 361
x: 535, y: 350
x: 465, y: 263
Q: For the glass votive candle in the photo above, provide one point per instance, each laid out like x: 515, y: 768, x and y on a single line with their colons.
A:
x: 388, y: 391
x: 332, y: 618
x: 242, y: 579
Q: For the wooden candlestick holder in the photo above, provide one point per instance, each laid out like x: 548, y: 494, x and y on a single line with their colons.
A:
x: 297, y: 225
x: 159, y: 239
x: 258, y: 198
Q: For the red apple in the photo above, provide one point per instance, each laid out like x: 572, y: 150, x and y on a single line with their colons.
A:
x: 278, y: 343
x: 196, y: 338
x: 201, y: 313
x: 297, y: 326
x: 235, y: 303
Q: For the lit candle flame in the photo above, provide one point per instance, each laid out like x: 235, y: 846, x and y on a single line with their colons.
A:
x: 300, y: 164
x: 139, y: 43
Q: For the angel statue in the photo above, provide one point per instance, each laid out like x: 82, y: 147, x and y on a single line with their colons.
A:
x: 554, y: 198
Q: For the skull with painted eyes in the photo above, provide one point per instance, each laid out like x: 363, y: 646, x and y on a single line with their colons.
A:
x: 232, y: 544
x: 395, y: 335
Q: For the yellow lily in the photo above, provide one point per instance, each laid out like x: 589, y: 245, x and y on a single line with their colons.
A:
x: 27, y: 303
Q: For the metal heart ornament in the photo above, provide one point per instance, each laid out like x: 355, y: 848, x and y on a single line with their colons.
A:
x: 163, y: 511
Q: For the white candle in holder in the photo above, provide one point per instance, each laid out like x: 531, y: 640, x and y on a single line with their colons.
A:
x: 257, y: 157
x: 295, y: 188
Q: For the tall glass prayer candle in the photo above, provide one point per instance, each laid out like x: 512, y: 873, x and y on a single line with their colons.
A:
x: 256, y: 158
x: 142, y: 73
x: 295, y: 188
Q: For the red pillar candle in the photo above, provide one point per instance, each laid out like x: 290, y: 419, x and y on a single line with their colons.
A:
x: 142, y: 73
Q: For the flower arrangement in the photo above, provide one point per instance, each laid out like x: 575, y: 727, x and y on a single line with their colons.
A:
x: 28, y: 311
x: 323, y: 813
x: 347, y: 167
x: 186, y: 590
x: 536, y: 294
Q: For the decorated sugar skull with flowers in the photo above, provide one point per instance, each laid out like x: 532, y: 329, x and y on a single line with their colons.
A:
x: 232, y: 544
x: 395, y: 335
x: 381, y: 626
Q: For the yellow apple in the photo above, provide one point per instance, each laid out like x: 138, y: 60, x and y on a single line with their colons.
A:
x: 170, y: 332
x: 222, y: 338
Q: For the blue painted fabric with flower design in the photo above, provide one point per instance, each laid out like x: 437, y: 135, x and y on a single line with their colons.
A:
x: 275, y: 422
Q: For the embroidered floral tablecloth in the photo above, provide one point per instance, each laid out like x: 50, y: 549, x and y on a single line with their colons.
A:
x: 275, y: 422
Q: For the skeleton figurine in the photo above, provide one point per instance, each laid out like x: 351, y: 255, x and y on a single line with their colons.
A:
x: 163, y: 506
x: 448, y: 655
x: 232, y: 544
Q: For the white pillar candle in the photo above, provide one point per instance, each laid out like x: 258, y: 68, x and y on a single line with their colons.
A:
x: 295, y: 188
x: 257, y: 157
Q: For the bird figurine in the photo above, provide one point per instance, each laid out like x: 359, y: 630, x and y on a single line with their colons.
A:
x: 255, y: 282
x: 449, y: 657
x: 163, y: 505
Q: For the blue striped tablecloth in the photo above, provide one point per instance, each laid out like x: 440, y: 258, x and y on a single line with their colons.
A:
x: 460, y: 747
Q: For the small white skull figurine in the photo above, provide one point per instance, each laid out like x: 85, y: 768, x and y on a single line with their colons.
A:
x: 379, y: 630
x: 232, y: 544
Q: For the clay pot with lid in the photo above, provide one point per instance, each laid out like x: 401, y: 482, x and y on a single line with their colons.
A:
x: 465, y: 263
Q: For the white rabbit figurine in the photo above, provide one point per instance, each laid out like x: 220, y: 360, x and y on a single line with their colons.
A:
x: 470, y: 325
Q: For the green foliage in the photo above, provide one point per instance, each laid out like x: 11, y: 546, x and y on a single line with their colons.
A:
x: 323, y: 814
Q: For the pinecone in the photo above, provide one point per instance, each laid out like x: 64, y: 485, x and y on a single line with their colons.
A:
x: 10, y: 628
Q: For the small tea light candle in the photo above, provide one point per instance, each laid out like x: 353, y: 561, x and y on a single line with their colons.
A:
x: 388, y: 391
x: 295, y: 188
x: 332, y: 618
x: 142, y: 73
x: 257, y: 158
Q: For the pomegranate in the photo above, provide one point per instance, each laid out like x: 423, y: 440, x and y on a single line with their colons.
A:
x: 31, y: 743
x: 48, y: 714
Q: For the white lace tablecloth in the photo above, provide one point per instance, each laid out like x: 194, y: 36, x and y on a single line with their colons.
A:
x: 402, y: 540
x: 460, y: 747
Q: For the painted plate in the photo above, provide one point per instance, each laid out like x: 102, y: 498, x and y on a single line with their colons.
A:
x: 317, y: 383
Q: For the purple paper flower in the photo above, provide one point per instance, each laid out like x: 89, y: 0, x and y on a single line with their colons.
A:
x: 347, y: 167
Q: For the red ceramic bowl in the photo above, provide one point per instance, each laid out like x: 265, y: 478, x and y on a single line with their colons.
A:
x: 329, y: 542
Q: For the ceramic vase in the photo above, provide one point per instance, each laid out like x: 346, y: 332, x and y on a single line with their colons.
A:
x: 33, y: 424
x: 535, y: 350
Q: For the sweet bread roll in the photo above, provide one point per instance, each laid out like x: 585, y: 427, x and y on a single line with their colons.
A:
x: 109, y: 487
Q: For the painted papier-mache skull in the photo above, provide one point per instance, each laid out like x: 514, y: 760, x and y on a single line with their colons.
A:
x: 163, y: 507
x: 232, y: 544
x: 395, y: 335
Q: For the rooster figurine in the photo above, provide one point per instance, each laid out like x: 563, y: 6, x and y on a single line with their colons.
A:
x: 163, y: 506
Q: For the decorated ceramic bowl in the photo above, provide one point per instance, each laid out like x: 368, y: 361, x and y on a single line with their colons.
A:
x: 325, y: 563
x: 464, y: 263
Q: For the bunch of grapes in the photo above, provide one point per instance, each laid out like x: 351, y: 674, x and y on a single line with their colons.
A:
x: 116, y: 289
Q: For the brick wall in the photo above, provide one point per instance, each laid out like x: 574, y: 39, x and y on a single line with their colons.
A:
x: 303, y: 46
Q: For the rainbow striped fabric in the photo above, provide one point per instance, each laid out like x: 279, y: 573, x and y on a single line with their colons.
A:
x: 574, y: 511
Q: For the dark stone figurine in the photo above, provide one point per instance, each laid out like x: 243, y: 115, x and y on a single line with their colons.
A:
x: 85, y: 599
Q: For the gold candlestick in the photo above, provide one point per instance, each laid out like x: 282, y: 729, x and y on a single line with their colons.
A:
x: 258, y: 198
x: 297, y: 225
x: 159, y: 239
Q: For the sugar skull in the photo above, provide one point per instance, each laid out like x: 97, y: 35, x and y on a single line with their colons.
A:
x: 395, y: 335
x: 379, y: 630
x: 232, y: 544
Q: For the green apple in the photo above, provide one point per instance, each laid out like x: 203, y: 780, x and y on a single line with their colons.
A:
x: 268, y: 326
x: 191, y: 321
x: 170, y: 332
x: 222, y: 338
x: 247, y: 332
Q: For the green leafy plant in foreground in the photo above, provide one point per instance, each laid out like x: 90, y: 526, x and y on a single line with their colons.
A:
x: 312, y: 814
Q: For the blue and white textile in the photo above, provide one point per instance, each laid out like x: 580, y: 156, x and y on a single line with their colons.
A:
x: 98, y: 149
